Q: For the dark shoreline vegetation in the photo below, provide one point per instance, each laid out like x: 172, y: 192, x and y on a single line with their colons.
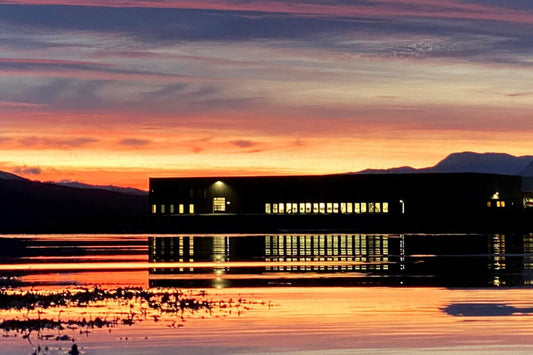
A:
x: 121, y: 306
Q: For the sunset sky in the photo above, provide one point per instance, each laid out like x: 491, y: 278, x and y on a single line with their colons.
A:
x: 112, y: 92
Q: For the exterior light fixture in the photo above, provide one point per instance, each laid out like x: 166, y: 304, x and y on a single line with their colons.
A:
x: 403, y: 206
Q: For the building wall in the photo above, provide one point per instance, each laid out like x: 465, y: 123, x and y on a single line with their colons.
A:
x: 419, y: 194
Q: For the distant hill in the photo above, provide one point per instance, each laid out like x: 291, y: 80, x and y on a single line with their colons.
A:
x: 9, y: 176
x: 79, y: 185
x: 30, y: 206
x: 470, y: 162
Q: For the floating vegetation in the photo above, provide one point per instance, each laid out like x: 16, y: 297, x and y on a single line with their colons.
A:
x: 49, y: 314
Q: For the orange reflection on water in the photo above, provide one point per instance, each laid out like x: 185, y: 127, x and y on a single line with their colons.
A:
x: 145, y: 265
x: 327, y: 319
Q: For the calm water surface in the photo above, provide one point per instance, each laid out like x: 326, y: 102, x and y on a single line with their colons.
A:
x: 323, y: 293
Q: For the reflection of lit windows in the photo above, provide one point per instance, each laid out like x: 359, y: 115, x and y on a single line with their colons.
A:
x: 349, y: 207
x: 315, y: 207
x: 181, y: 208
x: 385, y: 207
x: 336, y: 207
x: 219, y: 204
x: 357, y: 207
x: 289, y: 208
x: 363, y: 207
x: 377, y: 208
x: 172, y: 209
x: 154, y: 209
x: 302, y: 207
x: 274, y: 208
x: 343, y: 207
x: 329, y: 207
x: 191, y: 208
x: 162, y: 208
x: 281, y: 208
x: 322, y: 207
x: 307, y: 207
x: 267, y: 208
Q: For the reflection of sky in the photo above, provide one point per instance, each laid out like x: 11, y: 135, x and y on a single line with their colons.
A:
x: 275, y: 86
x: 347, y: 320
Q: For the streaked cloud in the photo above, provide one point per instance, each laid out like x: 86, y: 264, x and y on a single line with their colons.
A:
x: 55, y: 143
x: 243, y: 143
x: 134, y: 142
x: 160, y: 82
x: 27, y: 170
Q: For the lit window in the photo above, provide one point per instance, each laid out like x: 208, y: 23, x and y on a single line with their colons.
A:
x: 489, y: 204
x: 357, y: 207
x: 267, y: 208
x: 349, y: 207
x: 371, y: 207
x: 363, y: 207
x: 307, y: 207
x: 181, y: 208
x: 322, y: 207
x: 172, y: 209
x: 162, y: 208
x: 219, y: 204
x: 302, y: 207
x: 377, y: 207
x: 154, y: 209
x: 502, y: 203
x: 274, y: 208
x: 343, y: 207
x: 329, y: 208
x: 498, y: 204
x: 289, y: 208
x: 335, y: 207
x: 294, y: 208
x: 315, y: 207
x: 281, y: 208
x: 191, y: 208
x: 385, y: 206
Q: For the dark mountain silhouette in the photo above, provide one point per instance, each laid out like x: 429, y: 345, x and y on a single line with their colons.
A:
x: 30, y: 206
x: 493, y: 163
x: 470, y: 162
x: 399, y: 170
x: 9, y: 176
x: 80, y: 185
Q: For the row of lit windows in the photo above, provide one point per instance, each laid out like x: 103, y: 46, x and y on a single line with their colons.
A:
x: 326, y: 245
x: 497, y: 203
x: 179, y: 208
x: 373, y: 265
x: 327, y: 207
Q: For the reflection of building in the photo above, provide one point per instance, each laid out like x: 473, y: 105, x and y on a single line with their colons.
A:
x: 335, y: 259
x: 457, y: 197
x: 272, y: 259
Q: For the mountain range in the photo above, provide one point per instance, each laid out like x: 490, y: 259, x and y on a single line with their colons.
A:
x: 470, y: 162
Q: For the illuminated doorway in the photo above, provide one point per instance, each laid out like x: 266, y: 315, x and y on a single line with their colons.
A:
x: 219, y: 204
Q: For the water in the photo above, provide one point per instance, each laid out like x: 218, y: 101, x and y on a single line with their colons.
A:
x: 335, y: 293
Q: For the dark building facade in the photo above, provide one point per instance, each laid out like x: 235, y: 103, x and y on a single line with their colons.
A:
x: 420, y: 195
